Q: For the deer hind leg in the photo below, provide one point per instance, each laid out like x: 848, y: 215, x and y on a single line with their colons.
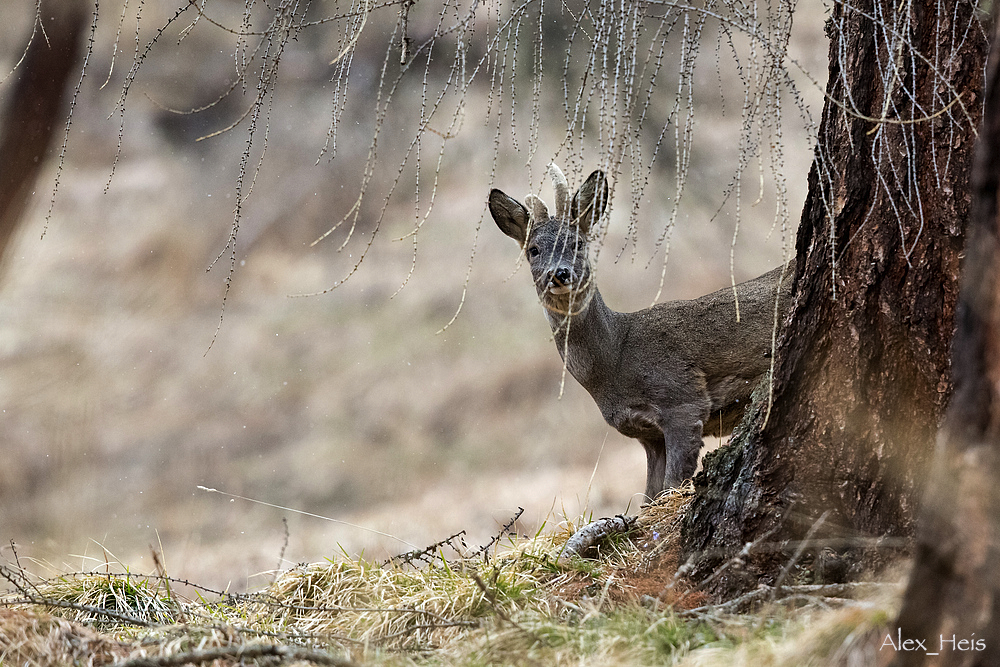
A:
x: 656, y: 461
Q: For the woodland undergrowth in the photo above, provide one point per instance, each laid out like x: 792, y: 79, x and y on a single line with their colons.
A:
x: 515, y: 600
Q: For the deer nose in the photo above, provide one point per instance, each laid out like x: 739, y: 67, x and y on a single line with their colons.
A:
x: 562, y: 276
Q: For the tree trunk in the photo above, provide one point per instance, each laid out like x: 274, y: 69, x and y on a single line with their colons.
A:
x: 36, y: 107
x: 861, y: 373
x: 954, y: 589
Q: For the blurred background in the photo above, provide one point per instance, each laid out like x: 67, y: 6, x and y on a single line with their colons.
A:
x: 129, y: 376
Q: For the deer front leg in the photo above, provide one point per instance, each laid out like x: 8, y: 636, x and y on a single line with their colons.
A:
x: 681, y: 443
x: 656, y: 461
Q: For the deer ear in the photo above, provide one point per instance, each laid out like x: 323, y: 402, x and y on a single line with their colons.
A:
x: 590, y: 201
x: 510, y: 215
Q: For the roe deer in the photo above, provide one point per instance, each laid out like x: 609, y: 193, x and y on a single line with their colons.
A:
x: 666, y: 375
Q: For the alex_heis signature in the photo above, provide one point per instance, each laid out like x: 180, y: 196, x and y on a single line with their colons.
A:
x: 940, y: 644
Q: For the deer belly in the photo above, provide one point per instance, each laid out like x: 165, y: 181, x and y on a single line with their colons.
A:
x: 635, y: 421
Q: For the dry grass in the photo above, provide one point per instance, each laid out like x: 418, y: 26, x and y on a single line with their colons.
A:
x: 517, y: 603
x: 29, y: 637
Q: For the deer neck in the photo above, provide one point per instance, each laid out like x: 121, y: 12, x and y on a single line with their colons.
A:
x: 588, y: 337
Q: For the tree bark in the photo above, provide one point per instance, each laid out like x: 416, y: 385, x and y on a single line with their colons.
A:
x: 862, y: 367
x: 36, y: 107
x: 954, y: 588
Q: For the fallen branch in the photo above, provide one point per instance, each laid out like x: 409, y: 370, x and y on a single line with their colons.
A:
x: 597, y: 531
x: 764, y: 591
x: 244, y: 652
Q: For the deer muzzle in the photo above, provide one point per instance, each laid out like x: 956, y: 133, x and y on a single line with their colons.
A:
x: 560, y: 281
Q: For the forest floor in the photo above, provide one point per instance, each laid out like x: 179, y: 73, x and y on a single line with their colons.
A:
x: 515, y: 601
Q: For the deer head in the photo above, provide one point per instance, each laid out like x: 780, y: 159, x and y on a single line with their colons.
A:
x: 556, y: 245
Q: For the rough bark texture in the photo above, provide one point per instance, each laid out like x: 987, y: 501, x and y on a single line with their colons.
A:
x: 36, y: 107
x: 954, y: 588
x: 862, y: 369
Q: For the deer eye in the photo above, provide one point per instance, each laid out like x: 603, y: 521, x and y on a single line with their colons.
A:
x: 533, y: 252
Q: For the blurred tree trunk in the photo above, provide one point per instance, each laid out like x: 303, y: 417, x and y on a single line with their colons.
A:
x: 36, y: 107
x: 954, y: 589
x: 862, y: 368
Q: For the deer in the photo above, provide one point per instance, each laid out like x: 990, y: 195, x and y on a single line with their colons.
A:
x: 667, y: 375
